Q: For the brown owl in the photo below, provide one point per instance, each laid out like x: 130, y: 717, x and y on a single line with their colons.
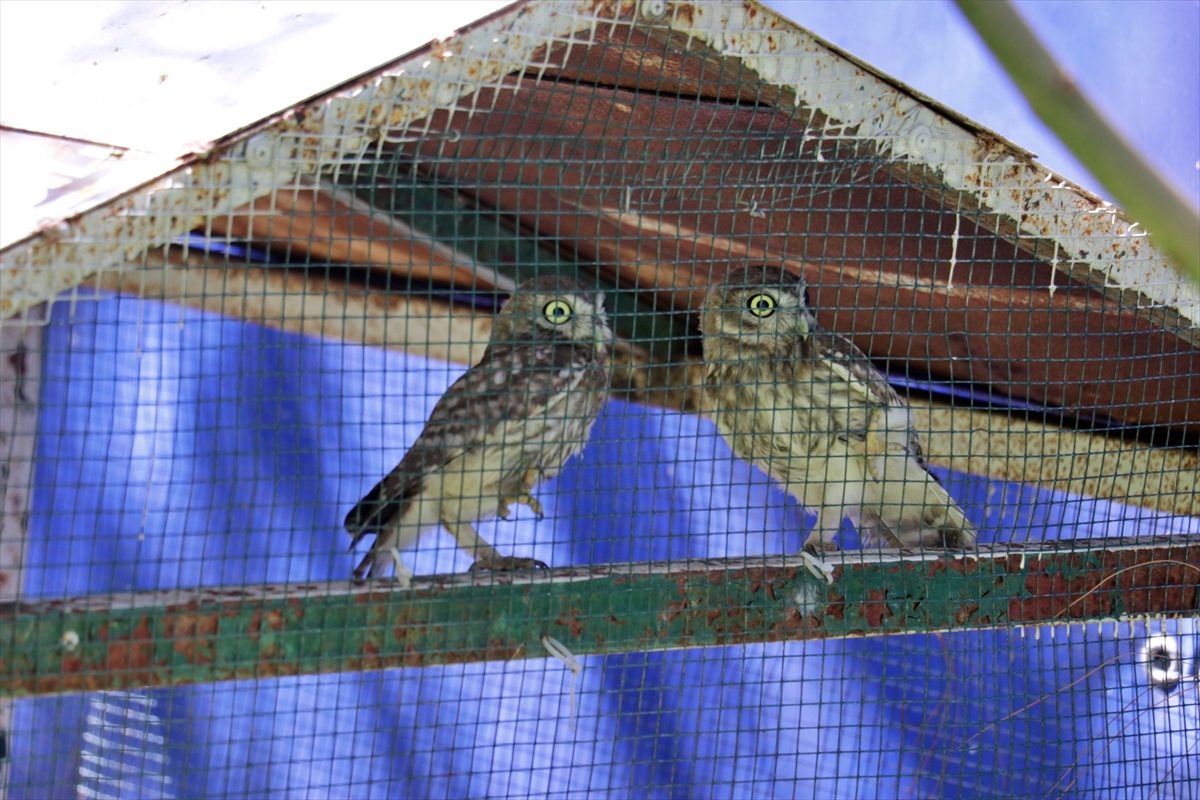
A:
x: 807, y: 407
x: 503, y: 427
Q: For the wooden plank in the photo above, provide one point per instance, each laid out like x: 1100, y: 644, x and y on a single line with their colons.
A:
x: 976, y: 441
x: 317, y: 302
x: 654, y: 59
x: 328, y: 224
x: 20, y: 384
x: 624, y: 180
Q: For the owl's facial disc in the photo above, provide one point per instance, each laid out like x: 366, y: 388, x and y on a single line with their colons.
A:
x: 767, y: 311
x: 579, y: 318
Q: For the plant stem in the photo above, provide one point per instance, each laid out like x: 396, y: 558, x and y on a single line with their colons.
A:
x: 1134, y: 183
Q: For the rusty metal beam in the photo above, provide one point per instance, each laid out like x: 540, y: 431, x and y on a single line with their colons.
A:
x: 202, y: 635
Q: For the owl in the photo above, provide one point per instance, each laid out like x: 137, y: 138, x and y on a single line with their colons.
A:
x: 807, y: 407
x: 503, y: 427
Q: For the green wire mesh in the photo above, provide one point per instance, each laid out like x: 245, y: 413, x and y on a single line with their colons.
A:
x: 265, y: 336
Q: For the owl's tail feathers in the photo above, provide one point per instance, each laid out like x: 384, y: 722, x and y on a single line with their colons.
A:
x: 375, y: 514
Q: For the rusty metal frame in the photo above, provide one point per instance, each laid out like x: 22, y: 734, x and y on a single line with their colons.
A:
x: 181, y: 637
x: 930, y: 145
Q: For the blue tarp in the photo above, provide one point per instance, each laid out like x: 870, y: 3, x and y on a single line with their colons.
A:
x: 178, y: 448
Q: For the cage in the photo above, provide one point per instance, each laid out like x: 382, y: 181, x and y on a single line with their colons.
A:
x: 209, y: 359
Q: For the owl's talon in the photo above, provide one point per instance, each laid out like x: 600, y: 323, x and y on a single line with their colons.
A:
x: 527, y: 500
x: 532, y: 503
x: 507, y: 564
x: 959, y: 540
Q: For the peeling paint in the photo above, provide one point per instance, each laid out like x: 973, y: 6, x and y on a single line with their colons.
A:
x: 1000, y: 176
x: 397, y: 103
x: 311, y: 139
x: 187, y: 636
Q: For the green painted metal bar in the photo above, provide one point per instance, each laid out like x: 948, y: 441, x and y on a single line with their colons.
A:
x: 201, y: 635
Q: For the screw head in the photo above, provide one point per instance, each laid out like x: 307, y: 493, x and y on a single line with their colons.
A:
x: 654, y: 9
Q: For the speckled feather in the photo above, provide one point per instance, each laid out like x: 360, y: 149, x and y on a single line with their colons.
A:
x: 526, y: 408
x: 806, y: 406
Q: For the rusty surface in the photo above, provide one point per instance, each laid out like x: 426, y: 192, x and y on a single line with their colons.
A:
x: 727, y: 51
x: 1140, y: 372
x: 657, y: 60
x: 622, y: 180
x: 327, y: 224
x: 202, y: 635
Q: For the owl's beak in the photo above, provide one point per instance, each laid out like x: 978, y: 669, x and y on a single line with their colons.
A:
x: 599, y: 338
x: 801, y: 325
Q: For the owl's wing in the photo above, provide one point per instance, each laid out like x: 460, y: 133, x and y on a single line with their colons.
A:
x: 851, y: 365
x: 508, y: 384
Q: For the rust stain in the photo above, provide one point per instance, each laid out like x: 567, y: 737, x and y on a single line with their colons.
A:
x: 837, y: 607
x: 571, y: 623
x: 794, y: 625
x: 254, y: 629
x: 965, y: 612
x: 132, y: 652
x: 673, y: 611
x: 875, y: 610
x: 192, y: 636
x: 967, y: 565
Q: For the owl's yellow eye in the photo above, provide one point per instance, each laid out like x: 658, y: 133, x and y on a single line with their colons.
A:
x: 558, y: 312
x: 761, y: 305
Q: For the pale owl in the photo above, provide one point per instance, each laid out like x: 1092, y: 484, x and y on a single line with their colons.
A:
x: 807, y: 407
x: 503, y: 427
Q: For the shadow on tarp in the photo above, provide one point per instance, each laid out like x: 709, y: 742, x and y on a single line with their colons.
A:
x: 178, y: 448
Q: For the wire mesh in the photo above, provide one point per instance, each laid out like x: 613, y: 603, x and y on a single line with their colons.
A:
x: 265, y: 336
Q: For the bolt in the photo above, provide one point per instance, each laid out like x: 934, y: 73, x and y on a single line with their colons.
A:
x: 654, y: 9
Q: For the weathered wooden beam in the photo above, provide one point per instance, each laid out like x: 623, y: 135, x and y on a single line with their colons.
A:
x: 980, y: 442
x: 620, y: 179
x: 20, y: 385
x: 316, y: 303
x: 324, y: 223
x: 1082, y: 462
x: 201, y: 635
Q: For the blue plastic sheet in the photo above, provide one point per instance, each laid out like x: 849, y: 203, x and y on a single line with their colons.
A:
x: 178, y: 448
